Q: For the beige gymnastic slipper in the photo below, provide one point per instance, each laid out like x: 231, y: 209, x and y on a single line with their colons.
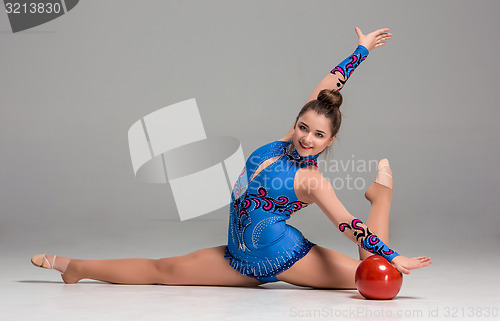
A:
x: 383, y: 176
x: 40, y: 260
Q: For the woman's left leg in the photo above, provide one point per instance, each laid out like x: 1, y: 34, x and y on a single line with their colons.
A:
x: 325, y: 268
x: 202, y: 267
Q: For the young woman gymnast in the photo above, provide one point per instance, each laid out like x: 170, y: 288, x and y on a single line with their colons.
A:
x: 279, y: 179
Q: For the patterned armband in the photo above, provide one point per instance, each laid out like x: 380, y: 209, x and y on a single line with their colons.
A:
x: 367, y: 240
x: 344, y: 70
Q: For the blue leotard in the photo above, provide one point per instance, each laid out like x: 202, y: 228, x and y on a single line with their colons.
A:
x: 260, y: 243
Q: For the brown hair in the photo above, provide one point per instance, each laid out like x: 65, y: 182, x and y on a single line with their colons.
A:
x: 327, y: 104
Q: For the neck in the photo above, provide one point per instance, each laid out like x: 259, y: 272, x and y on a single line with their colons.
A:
x: 293, y: 155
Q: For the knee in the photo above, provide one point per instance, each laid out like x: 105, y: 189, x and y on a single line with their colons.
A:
x: 166, y: 271
x: 174, y: 270
x: 161, y: 264
x: 165, y: 266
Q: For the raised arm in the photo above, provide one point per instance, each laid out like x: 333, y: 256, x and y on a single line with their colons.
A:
x: 338, y: 76
x: 321, y: 192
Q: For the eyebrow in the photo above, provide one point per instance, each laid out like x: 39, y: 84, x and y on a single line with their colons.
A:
x: 316, y: 129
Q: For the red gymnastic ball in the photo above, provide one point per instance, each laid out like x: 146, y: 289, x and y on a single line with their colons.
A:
x: 376, y: 278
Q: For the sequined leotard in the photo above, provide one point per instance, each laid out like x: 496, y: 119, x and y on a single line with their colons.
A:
x: 260, y: 243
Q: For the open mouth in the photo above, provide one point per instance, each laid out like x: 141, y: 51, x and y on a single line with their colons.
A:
x: 304, y: 147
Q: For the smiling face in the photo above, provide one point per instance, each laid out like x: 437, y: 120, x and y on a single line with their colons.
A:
x: 313, y: 133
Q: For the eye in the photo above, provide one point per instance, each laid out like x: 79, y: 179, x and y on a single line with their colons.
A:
x: 302, y: 127
x: 320, y: 135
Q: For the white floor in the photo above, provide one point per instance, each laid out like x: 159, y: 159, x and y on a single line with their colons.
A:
x: 455, y: 287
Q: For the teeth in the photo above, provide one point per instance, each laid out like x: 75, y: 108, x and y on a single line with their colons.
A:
x: 304, y: 146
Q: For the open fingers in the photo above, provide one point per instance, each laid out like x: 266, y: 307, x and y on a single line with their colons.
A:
x: 422, y: 258
x: 384, y: 36
x: 380, y: 31
x: 422, y: 262
x: 381, y: 39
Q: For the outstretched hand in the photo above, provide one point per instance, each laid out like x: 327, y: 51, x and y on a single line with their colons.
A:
x: 404, y: 264
x: 374, y: 39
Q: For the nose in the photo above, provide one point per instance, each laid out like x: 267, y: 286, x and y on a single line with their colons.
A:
x: 307, y: 139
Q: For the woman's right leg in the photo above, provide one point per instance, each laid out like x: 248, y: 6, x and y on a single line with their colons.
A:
x: 202, y: 267
x: 379, y: 194
x: 325, y: 268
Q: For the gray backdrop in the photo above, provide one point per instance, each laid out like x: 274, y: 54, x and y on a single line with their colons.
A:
x: 71, y: 88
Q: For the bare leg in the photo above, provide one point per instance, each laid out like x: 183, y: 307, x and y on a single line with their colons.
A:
x: 202, y: 267
x: 380, y: 196
x: 322, y: 268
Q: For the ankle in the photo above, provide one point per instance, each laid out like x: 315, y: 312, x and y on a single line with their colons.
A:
x: 378, y: 193
x: 71, y: 275
x: 60, y: 263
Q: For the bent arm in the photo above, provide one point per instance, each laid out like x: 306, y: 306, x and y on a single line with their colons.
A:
x: 322, y: 193
x: 339, y: 75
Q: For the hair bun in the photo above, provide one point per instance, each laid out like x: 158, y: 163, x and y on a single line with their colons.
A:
x: 332, y: 98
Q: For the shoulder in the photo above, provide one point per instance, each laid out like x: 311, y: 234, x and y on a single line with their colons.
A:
x: 311, y: 183
x: 275, y: 146
x: 270, y: 149
x: 271, y: 145
x: 309, y: 173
